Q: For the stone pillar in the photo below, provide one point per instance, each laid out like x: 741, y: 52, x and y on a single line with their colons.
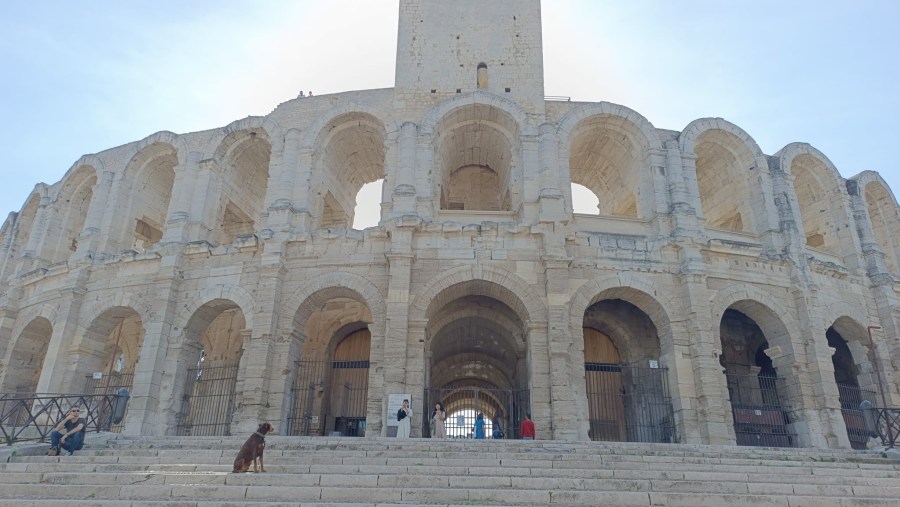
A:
x: 685, y: 225
x: 149, y: 411
x: 91, y: 237
x: 397, y: 378
x: 550, y: 197
x: 280, y: 197
x: 540, y: 379
x: 61, y: 354
x: 178, y: 221
x: 32, y: 251
x: 259, y: 360
x: 563, y: 372
x: 8, y: 314
x: 716, y: 425
x: 404, y: 193
x: 303, y: 219
x: 426, y: 172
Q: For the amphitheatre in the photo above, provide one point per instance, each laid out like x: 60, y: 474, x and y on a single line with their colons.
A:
x: 719, y: 295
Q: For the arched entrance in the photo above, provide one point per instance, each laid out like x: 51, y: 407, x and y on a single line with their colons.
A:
x: 114, y: 339
x: 476, y: 360
x: 26, y: 361
x: 627, y: 390
x: 331, y: 389
x: 846, y: 338
x: 757, y: 394
x: 213, y: 345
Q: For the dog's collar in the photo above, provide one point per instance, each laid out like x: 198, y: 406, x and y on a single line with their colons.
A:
x: 260, y: 435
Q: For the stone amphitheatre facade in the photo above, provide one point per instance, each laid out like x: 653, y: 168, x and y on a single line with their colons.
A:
x: 719, y: 295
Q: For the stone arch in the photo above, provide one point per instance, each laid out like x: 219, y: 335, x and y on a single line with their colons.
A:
x: 70, y: 208
x: 238, y: 295
x: 314, y: 292
x: 25, y: 355
x: 728, y: 162
x: 149, y: 180
x: 21, y: 228
x: 779, y: 323
x: 115, y: 333
x: 883, y: 214
x: 442, y: 109
x: 821, y: 197
x: 350, y: 152
x: 314, y: 304
x: 609, y: 150
x: 244, y: 154
x: 506, y: 287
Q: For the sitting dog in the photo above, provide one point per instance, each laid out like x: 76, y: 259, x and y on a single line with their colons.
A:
x: 252, y: 450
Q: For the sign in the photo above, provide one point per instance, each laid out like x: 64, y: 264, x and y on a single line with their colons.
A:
x: 654, y: 363
x: 98, y: 375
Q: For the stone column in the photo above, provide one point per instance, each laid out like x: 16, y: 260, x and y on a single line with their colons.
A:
x: 563, y: 372
x: 404, y: 193
x: 8, y: 314
x: 91, y: 237
x: 303, y: 220
x: 426, y: 172
x: 550, y: 197
x: 280, y: 196
x: 33, y: 248
x: 61, y: 354
x: 178, y: 221
x: 259, y: 358
x: 150, y: 412
x: 396, y: 340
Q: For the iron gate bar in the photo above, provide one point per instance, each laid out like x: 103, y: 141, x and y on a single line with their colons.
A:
x: 850, y: 397
x: 512, y: 405
x: 110, y: 384
x: 208, y: 400
x: 629, y: 403
x: 310, y: 414
x: 760, y: 418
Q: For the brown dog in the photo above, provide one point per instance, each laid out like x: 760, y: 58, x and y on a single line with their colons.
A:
x: 252, y: 450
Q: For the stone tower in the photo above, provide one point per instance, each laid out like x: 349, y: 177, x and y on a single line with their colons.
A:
x: 445, y: 48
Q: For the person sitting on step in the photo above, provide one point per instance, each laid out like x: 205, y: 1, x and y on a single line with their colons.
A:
x: 68, y: 433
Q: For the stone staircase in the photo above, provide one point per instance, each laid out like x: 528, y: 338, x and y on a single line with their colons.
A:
x: 181, y: 471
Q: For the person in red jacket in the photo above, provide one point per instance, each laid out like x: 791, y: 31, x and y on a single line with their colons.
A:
x: 527, y: 430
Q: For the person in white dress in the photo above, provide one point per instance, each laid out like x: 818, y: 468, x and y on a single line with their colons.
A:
x: 403, y: 422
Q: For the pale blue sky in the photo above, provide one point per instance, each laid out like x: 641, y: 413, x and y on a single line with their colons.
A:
x: 81, y: 77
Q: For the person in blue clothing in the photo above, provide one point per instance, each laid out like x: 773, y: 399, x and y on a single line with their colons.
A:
x: 68, y: 434
x: 479, y: 426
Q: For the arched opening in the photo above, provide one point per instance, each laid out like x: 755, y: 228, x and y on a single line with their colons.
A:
x: 352, y: 156
x: 18, y: 237
x: 726, y: 170
x: 853, y: 376
x: 475, y: 154
x: 213, y: 344
x: 367, y: 212
x: 476, y: 360
x: 885, y: 223
x: 109, y: 350
x: 819, y: 203
x: 481, y: 79
x: 27, y: 358
x: 150, y: 193
x: 71, y: 212
x: 608, y: 156
x: 245, y: 178
x: 331, y: 388
x: 627, y: 391
x: 584, y: 201
x: 757, y: 395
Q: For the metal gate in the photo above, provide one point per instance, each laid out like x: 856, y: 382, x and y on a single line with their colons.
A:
x: 850, y: 397
x: 110, y: 384
x: 760, y: 418
x: 506, y: 407
x: 629, y: 403
x: 208, y: 402
x: 329, y: 398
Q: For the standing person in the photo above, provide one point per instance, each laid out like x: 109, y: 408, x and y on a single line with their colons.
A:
x: 497, y: 432
x: 437, y: 421
x: 527, y: 430
x: 68, y: 433
x: 403, y: 416
x: 479, y: 426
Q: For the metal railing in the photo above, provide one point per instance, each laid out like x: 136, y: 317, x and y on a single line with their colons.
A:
x: 883, y: 423
x: 25, y: 417
x: 629, y: 403
x: 208, y: 402
x: 851, y: 397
